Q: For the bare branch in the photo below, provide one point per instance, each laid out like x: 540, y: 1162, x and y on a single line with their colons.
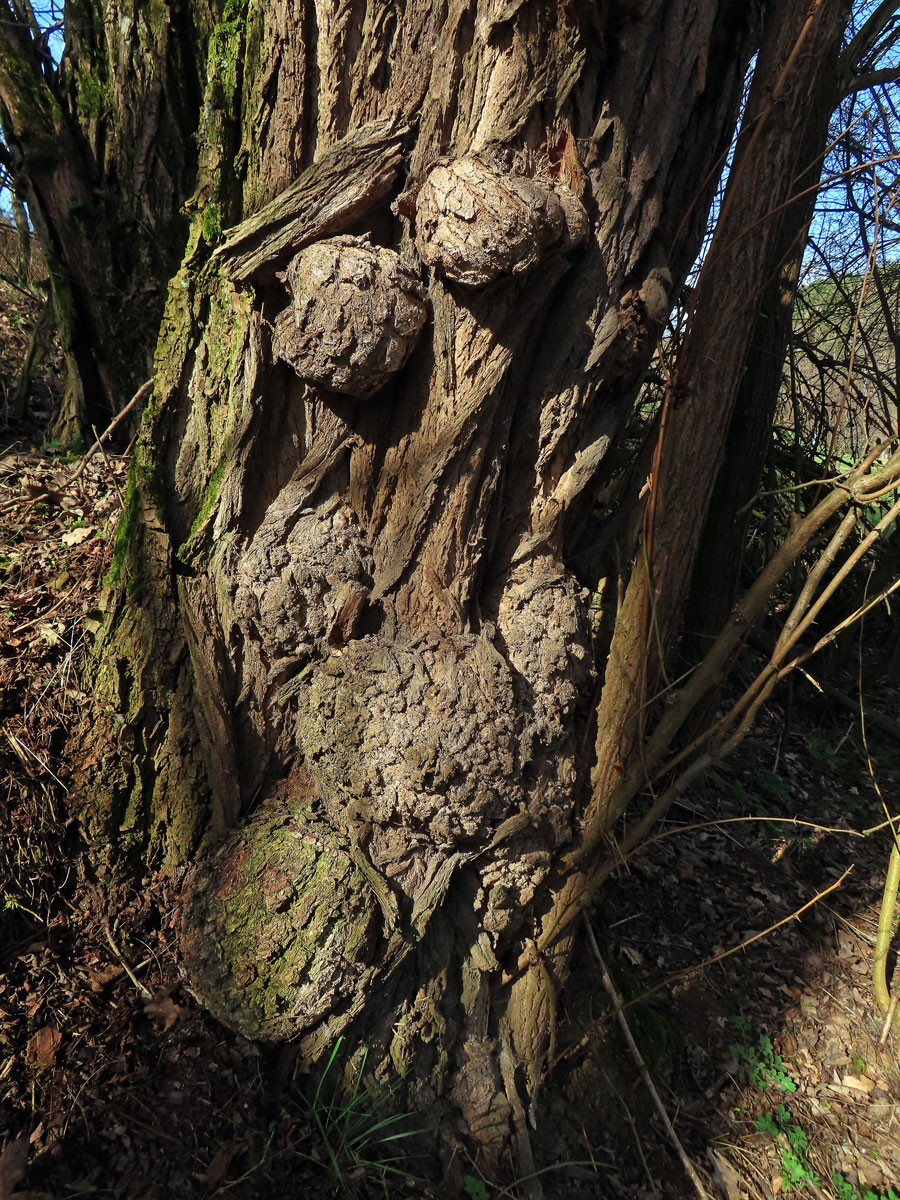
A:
x: 872, y: 79
x: 867, y: 36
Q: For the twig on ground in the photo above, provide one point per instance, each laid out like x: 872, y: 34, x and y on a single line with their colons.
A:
x: 145, y: 992
x: 891, y: 822
x: 645, y: 1074
x: 22, y: 749
x: 142, y: 392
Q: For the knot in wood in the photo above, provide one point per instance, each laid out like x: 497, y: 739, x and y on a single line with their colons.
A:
x: 477, y: 222
x: 357, y: 313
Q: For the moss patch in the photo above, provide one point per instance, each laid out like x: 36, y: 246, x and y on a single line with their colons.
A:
x: 92, y: 95
x: 126, y: 564
x: 278, y: 927
x: 211, y: 224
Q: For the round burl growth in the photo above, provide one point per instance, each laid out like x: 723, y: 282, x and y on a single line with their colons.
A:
x: 397, y: 734
x: 356, y: 315
x: 277, y: 928
x: 476, y: 223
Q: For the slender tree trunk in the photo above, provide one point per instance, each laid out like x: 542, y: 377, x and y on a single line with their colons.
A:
x: 346, y: 672
x: 23, y: 239
x: 701, y: 398
x: 717, y: 573
x: 50, y: 178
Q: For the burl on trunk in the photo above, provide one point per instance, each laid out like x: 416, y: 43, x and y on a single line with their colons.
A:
x: 349, y: 669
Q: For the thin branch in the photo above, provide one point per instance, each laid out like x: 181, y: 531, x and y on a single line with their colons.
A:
x: 689, y: 1167
x: 866, y: 36
x: 795, y: 821
x: 109, y: 468
x: 143, y: 391
x: 872, y: 79
x: 582, y: 878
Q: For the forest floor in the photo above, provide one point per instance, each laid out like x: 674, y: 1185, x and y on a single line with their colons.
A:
x: 768, y: 1061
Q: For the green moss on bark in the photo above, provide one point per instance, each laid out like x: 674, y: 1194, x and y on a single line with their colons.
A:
x: 211, y: 224
x: 278, y: 927
x: 226, y: 44
x: 126, y: 566
x: 92, y: 95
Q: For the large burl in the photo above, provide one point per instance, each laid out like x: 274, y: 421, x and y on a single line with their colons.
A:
x: 355, y: 316
x: 479, y: 219
x: 277, y: 926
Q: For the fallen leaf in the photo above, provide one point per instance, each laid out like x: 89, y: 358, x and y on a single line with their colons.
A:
x: 33, y: 1005
x: 74, y: 537
x: 103, y: 975
x: 859, y: 1082
x: 35, y: 490
x: 40, y: 1052
x: 162, y: 1007
x: 13, y: 1160
x: 726, y: 1177
x: 215, y: 1172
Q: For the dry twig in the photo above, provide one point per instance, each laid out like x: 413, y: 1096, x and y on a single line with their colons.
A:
x: 645, y: 1074
x: 143, y: 391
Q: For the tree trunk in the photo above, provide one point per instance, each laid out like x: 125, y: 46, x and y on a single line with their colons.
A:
x: 717, y: 573
x: 347, y: 673
x: 103, y: 155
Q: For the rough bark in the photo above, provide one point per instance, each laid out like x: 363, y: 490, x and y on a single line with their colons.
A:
x: 346, y: 669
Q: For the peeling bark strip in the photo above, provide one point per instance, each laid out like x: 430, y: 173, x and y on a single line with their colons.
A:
x: 347, y: 181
